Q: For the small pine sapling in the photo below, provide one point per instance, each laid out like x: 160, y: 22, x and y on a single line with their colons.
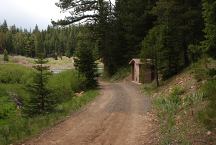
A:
x: 41, y: 100
x: 6, y: 58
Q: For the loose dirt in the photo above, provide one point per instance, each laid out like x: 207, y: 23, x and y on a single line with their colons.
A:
x: 119, y: 116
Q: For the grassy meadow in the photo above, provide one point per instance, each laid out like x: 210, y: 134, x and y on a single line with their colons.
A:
x: 64, y: 63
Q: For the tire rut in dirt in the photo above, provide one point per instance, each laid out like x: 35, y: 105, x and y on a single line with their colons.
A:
x: 115, y: 120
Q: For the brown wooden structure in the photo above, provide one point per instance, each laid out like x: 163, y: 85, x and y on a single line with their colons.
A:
x: 142, y: 72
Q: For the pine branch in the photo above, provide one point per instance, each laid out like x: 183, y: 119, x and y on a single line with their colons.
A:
x: 71, y: 20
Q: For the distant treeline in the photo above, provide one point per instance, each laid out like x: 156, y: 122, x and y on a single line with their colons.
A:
x: 53, y: 41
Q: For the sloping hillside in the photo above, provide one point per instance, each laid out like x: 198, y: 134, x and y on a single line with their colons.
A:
x: 183, y: 106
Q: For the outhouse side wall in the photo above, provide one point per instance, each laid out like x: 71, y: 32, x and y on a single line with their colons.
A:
x: 136, y: 72
x: 146, y: 73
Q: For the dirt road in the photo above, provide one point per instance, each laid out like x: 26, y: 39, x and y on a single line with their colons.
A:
x: 119, y: 116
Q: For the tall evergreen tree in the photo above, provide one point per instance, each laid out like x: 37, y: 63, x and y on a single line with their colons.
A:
x: 39, y: 45
x: 151, y: 49
x: 85, y: 61
x: 19, y: 43
x: 183, y: 23
x: 9, y: 42
x: 209, y: 13
x: 2, y: 40
x: 4, y: 27
x: 93, y: 11
x: 134, y: 21
x: 36, y: 29
x: 71, y: 42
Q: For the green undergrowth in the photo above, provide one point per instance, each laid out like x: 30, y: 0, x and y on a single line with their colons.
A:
x: 65, y: 84
x: 185, y: 114
x: 14, y: 125
x: 205, y: 72
x: 17, y: 128
x: 149, y: 89
x: 121, y: 74
x: 13, y: 73
x: 208, y: 115
x: 171, y: 111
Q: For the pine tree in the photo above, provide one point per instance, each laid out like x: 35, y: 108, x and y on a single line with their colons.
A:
x: 4, y: 27
x: 134, y: 21
x: 71, y: 41
x: 9, y: 42
x: 85, y: 64
x: 151, y: 49
x: 97, y: 12
x: 19, y: 43
x: 36, y: 29
x: 2, y: 40
x: 41, y: 100
x: 209, y: 45
x: 6, y: 58
x: 39, y: 46
x: 183, y: 26
x: 85, y: 61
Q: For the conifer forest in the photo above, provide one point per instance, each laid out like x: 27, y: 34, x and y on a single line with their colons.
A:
x: 80, y: 63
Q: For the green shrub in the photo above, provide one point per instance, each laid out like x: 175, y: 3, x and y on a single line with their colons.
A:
x: 212, y: 72
x: 65, y: 84
x: 7, y: 108
x: 9, y: 94
x: 200, y: 73
x: 177, y: 91
x: 209, y: 90
x: 149, y: 88
x: 13, y: 90
x: 17, y: 128
x: 14, y: 73
x: 208, y: 115
x: 76, y: 102
x: 204, y: 69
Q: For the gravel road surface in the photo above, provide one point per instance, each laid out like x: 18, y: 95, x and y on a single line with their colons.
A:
x: 119, y: 116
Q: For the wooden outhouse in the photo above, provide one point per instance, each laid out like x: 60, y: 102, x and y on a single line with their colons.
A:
x: 142, y: 72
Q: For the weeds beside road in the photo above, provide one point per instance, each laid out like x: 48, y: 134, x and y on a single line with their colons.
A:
x: 185, y: 106
x: 14, y: 125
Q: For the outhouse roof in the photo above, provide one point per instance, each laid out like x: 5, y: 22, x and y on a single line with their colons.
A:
x: 136, y: 61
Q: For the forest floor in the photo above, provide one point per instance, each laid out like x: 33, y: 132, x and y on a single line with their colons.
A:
x: 119, y: 116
